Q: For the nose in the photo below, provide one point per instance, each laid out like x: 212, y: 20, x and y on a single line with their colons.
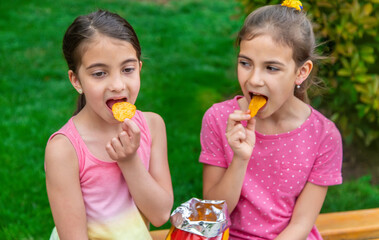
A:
x: 256, y: 78
x: 117, y: 83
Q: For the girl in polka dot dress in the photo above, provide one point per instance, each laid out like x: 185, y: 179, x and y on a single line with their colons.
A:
x: 274, y: 169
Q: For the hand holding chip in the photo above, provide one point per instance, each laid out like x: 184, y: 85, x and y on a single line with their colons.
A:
x: 241, y: 139
x: 125, y: 145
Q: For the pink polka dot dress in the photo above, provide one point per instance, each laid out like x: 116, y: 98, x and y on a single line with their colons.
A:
x: 278, y: 169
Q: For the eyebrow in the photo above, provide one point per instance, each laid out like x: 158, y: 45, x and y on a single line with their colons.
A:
x: 266, y: 62
x: 130, y: 60
x: 274, y: 62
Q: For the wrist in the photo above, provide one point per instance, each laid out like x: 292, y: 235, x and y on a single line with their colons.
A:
x: 244, y: 156
x: 128, y: 160
x: 240, y: 161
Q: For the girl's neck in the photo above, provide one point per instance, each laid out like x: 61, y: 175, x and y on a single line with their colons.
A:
x: 287, y: 118
x: 96, y: 133
x: 88, y: 123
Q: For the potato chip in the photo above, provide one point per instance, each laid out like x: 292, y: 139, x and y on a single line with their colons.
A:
x: 256, y: 103
x: 123, y: 110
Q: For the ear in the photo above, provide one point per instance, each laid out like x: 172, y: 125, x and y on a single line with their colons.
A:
x: 140, y: 65
x: 303, y: 72
x: 75, y: 81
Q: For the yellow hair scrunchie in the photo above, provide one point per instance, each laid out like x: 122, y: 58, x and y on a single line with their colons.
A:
x: 293, y: 4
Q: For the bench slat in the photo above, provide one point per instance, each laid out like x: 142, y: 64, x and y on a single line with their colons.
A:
x: 357, y: 224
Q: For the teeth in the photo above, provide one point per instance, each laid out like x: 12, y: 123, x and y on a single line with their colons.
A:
x: 253, y: 94
x: 256, y: 94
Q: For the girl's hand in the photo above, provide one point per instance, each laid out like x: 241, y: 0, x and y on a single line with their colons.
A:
x: 241, y: 139
x: 125, y: 145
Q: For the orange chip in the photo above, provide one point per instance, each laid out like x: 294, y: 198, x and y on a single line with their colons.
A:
x: 123, y: 110
x: 256, y: 103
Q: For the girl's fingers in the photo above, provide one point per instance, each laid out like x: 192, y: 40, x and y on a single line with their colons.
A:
x: 125, y: 138
x: 230, y: 124
x: 238, y: 112
x: 250, y: 131
x: 130, y: 127
x: 112, y: 153
x: 235, y: 118
x: 235, y: 129
x: 238, y: 116
x: 133, y: 132
x: 251, y: 124
x: 126, y: 143
x: 116, y: 145
x: 236, y: 134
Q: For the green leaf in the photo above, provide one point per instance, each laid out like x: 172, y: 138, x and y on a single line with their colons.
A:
x: 334, y: 117
x: 366, y: 50
x: 362, y: 78
x: 371, y: 136
x: 351, y: 48
x: 368, y: 58
x: 345, y: 62
x: 360, y: 70
x: 360, y: 133
x: 355, y: 60
x: 367, y: 9
x: 362, y: 110
x: 344, y: 72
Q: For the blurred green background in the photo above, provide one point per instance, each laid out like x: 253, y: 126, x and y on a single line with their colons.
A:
x: 189, y: 64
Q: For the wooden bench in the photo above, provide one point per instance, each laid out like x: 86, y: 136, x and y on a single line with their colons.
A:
x: 357, y: 224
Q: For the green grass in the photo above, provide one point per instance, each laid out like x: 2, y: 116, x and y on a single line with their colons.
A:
x: 189, y: 64
x: 352, y: 195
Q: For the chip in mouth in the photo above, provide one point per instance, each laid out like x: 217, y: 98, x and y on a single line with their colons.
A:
x: 123, y: 110
x: 256, y: 103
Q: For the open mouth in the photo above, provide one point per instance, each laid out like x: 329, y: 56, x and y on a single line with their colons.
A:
x: 257, y: 94
x: 110, y: 102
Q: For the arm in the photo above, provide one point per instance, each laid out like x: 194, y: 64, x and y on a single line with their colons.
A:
x: 63, y: 189
x: 226, y: 184
x: 305, y: 213
x: 151, y: 190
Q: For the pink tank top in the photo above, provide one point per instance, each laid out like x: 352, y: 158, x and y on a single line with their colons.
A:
x: 111, y: 211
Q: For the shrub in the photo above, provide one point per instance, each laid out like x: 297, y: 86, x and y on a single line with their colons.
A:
x: 347, y: 31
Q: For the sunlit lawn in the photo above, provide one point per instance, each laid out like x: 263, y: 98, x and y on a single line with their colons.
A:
x: 189, y: 63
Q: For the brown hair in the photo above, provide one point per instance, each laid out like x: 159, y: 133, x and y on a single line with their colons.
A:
x: 84, y: 28
x: 286, y: 26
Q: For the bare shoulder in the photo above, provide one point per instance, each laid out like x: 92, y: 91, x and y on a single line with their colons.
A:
x: 60, y: 151
x: 155, y: 121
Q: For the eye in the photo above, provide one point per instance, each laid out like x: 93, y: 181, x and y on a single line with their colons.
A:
x: 273, y: 69
x: 128, y: 69
x: 244, y: 63
x: 99, y: 74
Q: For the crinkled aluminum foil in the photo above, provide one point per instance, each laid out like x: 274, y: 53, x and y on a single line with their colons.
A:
x: 207, y: 218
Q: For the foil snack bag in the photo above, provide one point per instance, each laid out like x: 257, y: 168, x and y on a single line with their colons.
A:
x: 199, y: 220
